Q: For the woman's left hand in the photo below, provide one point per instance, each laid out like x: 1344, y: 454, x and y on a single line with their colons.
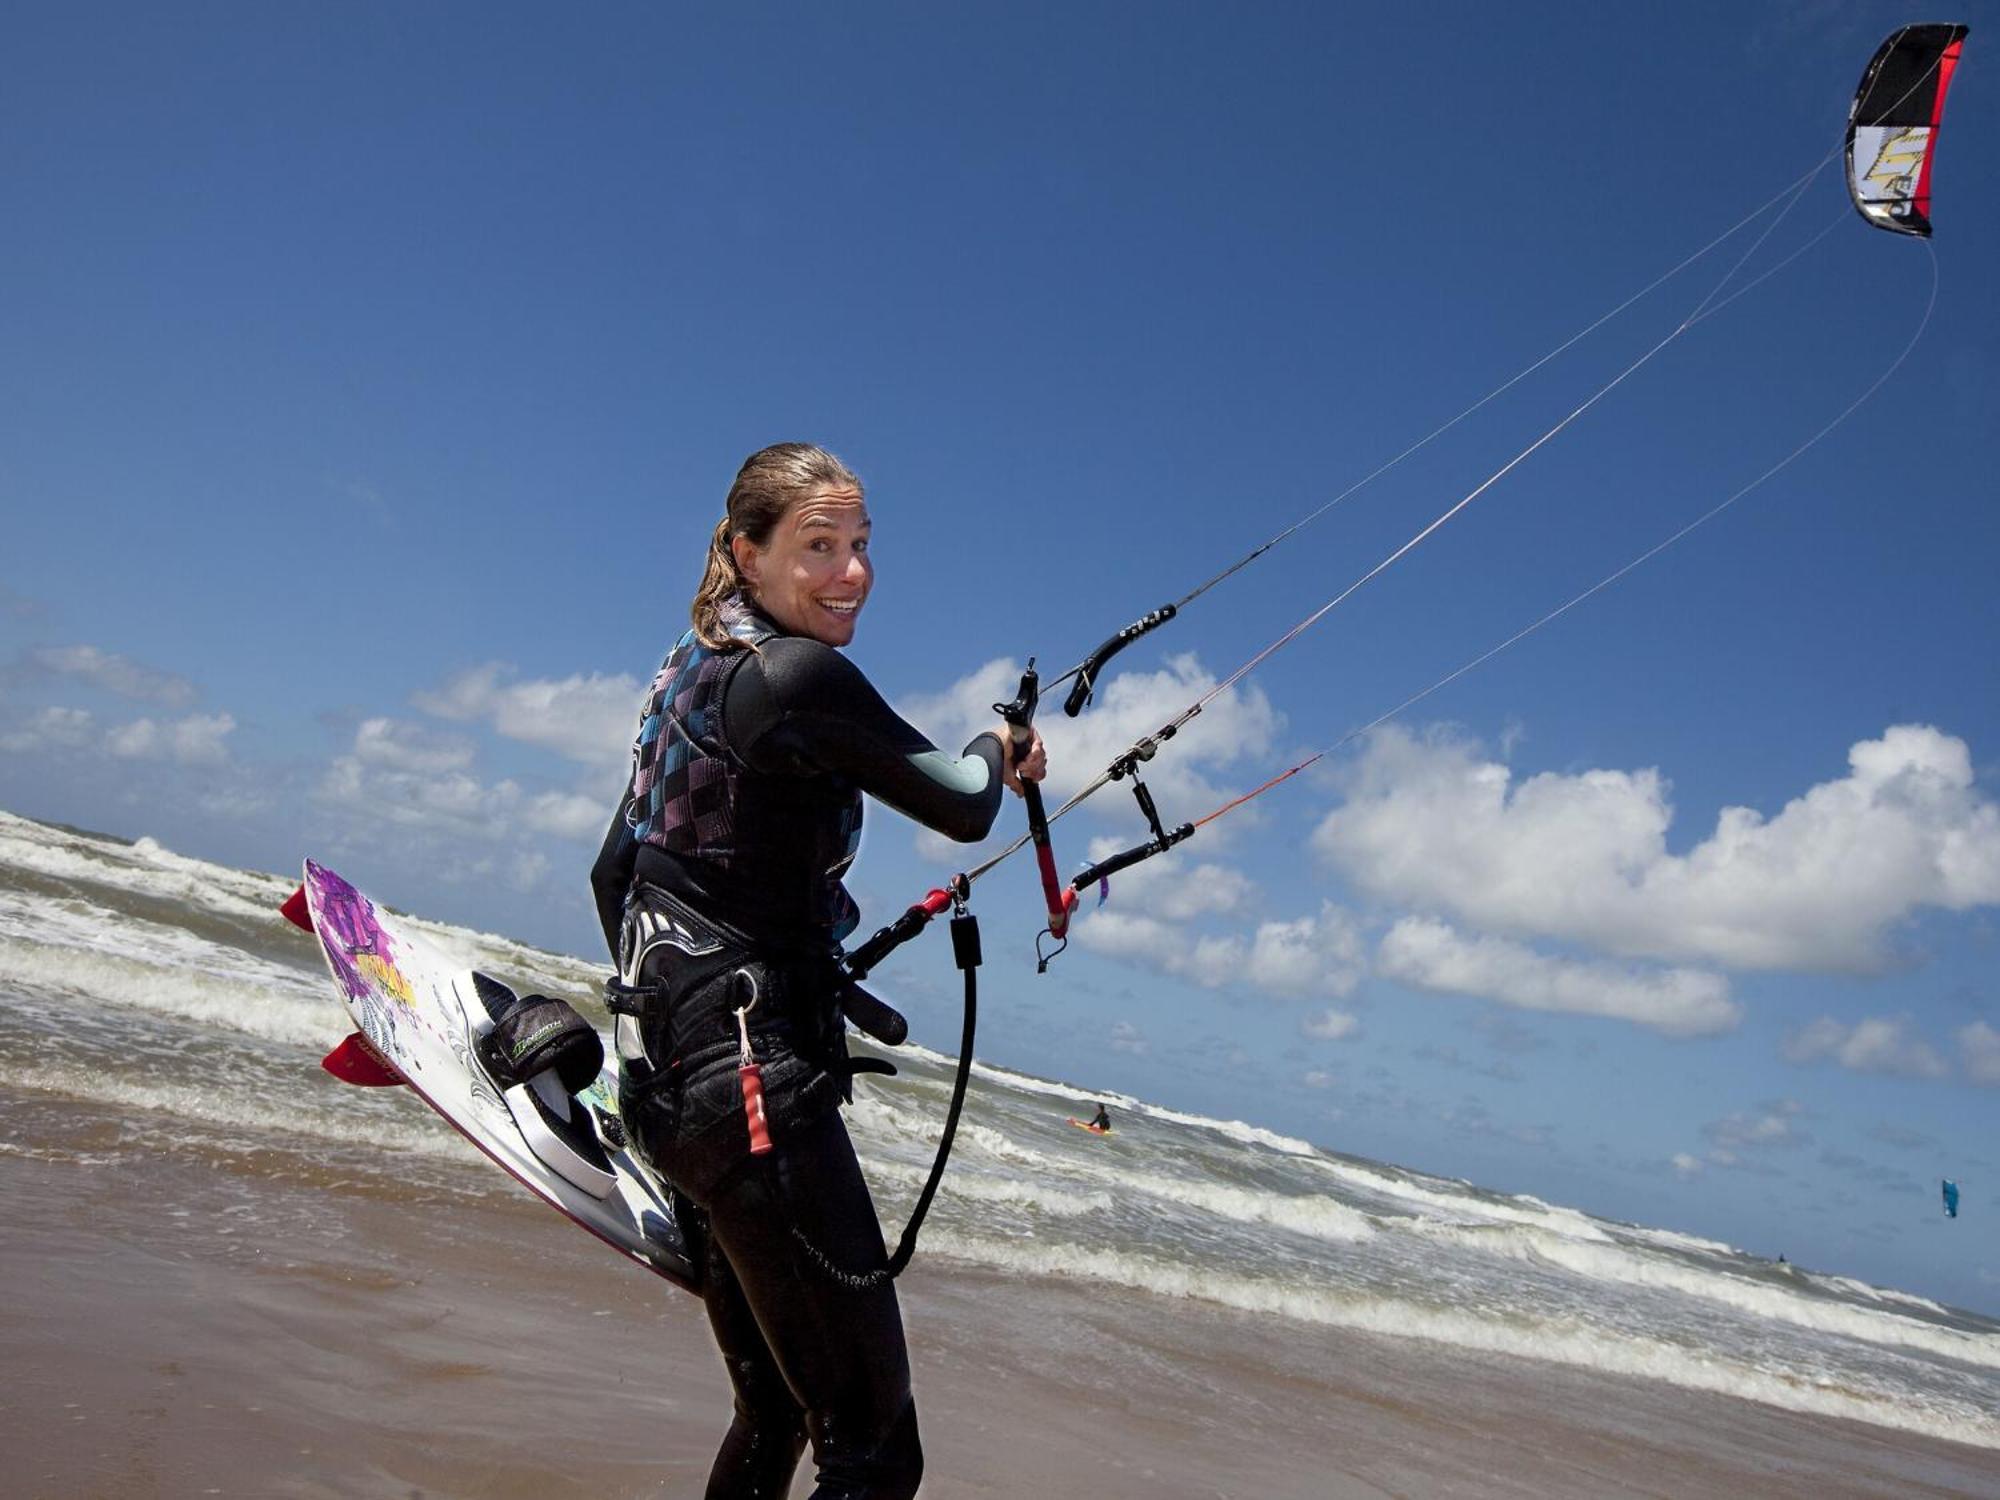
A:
x: 1016, y: 767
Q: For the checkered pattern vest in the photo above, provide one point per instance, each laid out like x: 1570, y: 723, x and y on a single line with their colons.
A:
x: 694, y: 798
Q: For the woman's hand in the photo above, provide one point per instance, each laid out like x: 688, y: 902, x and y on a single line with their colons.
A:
x: 1016, y: 767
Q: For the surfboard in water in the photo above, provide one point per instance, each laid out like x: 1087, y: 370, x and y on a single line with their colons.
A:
x: 421, y: 1018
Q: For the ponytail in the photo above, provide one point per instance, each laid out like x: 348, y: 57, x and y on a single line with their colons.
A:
x: 719, y: 580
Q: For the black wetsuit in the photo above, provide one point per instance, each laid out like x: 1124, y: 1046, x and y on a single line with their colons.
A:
x: 729, y: 862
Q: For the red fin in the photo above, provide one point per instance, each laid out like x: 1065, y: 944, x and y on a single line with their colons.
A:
x: 356, y: 1061
x: 296, y: 911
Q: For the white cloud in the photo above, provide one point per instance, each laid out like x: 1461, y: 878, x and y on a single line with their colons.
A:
x: 1979, y: 1050
x: 115, y: 674
x: 1166, y: 886
x: 394, y: 745
x: 402, y: 775
x: 1330, y: 1025
x: 1687, y: 1166
x: 1874, y: 1045
x: 1319, y: 954
x: 567, y: 815
x: 1318, y: 1078
x: 196, y: 740
x: 1125, y: 1037
x: 1237, y: 728
x: 1751, y: 1134
x: 52, y: 729
x: 1431, y: 955
x: 587, y: 719
x: 450, y: 801
x: 1819, y: 886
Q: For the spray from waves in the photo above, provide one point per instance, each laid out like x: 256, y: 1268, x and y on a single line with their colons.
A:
x: 144, y: 868
x: 1673, y: 1239
x: 874, y: 1118
x: 1023, y: 1083
x: 1317, y: 1218
x: 1576, y: 1345
x: 1461, y: 1206
x: 237, y: 1111
x: 60, y: 947
x: 1848, y: 1286
x: 1613, y: 1263
x: 274, y: 1007
x: 1003, y: 1192
x: 1234, y: 1130
x: 1321, y: 1218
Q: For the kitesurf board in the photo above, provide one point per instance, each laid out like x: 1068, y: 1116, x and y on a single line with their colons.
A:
x: 421, y: 1018
x: 1093, y: 1129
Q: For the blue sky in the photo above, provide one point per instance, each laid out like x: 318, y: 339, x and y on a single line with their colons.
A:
x: 374, y: 374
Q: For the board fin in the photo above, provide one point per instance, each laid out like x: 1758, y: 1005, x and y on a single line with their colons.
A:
x: 355, y: 1061
x: 297, y: 913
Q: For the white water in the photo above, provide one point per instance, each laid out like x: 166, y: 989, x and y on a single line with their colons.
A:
x: 107, y: 1001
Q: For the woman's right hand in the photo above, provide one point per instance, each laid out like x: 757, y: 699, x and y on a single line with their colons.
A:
x: 1016, y: 766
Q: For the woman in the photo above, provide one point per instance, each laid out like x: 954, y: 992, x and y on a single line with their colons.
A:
x: 719, y: 887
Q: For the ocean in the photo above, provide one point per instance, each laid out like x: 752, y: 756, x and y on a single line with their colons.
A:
x: 161, y: 1024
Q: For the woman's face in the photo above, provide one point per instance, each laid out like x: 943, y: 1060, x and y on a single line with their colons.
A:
x: 814, y: 575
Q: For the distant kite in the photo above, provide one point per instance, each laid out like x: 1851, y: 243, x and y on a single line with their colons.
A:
x: 1892, y: 129
x: 1950, y: 1199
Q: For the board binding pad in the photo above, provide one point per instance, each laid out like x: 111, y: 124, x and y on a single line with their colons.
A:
x: 422, y: 1018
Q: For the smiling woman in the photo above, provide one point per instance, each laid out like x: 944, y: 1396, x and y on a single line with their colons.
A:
x: 795, y: 537
x: 719, y: 888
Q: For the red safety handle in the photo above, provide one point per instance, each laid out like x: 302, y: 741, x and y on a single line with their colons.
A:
x: 1060, y: 899
x: 752, y: 1075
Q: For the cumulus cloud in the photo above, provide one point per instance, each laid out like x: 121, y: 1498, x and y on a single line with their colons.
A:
x: 587, y: 719
x: 402, y: 775
x: 1430, y: 955
x: 1236, y: 729
x: 1873, y: 1045
x: 1737, y: 1139
x: 52, y: 729
x: 114, y: 674
x: 1685, y: 1165
x: 1170, y: 888
x: 196, y: 740
x: 566, y: 815
x: 1316, y: 954
x: 1979, y: 1050
x: 1330, y: 1025
x: 1819, y: 886
x: 397, y: 746
x: 1125, y: 1037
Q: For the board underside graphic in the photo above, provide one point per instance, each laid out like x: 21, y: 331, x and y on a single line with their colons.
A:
x: 423, y: 1016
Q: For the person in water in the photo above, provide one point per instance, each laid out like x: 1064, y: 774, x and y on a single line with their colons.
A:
x: 719, y: 889
x: 1101, y: 1121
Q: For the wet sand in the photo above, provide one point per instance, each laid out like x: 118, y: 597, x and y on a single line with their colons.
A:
x: 181, y: 1328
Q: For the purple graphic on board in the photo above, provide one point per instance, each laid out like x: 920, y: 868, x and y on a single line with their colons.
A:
x: 348, y: 931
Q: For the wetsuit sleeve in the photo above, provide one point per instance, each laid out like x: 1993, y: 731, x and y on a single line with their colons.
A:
x: 611, y: 875
x: 797, y: 705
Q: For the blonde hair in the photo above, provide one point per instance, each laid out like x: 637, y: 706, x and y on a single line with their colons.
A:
x: 770, y: 482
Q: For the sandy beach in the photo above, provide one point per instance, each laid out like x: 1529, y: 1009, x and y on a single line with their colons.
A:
x: 181, y: 1330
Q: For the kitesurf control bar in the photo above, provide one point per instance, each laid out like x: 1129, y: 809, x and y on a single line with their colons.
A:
x: 908, y: 925
x: 1162, y: 840
x: 1085, y: 672
x: 1059, y: 899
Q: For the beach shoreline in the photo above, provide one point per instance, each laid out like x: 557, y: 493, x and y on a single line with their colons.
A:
x: 185, y: 1330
